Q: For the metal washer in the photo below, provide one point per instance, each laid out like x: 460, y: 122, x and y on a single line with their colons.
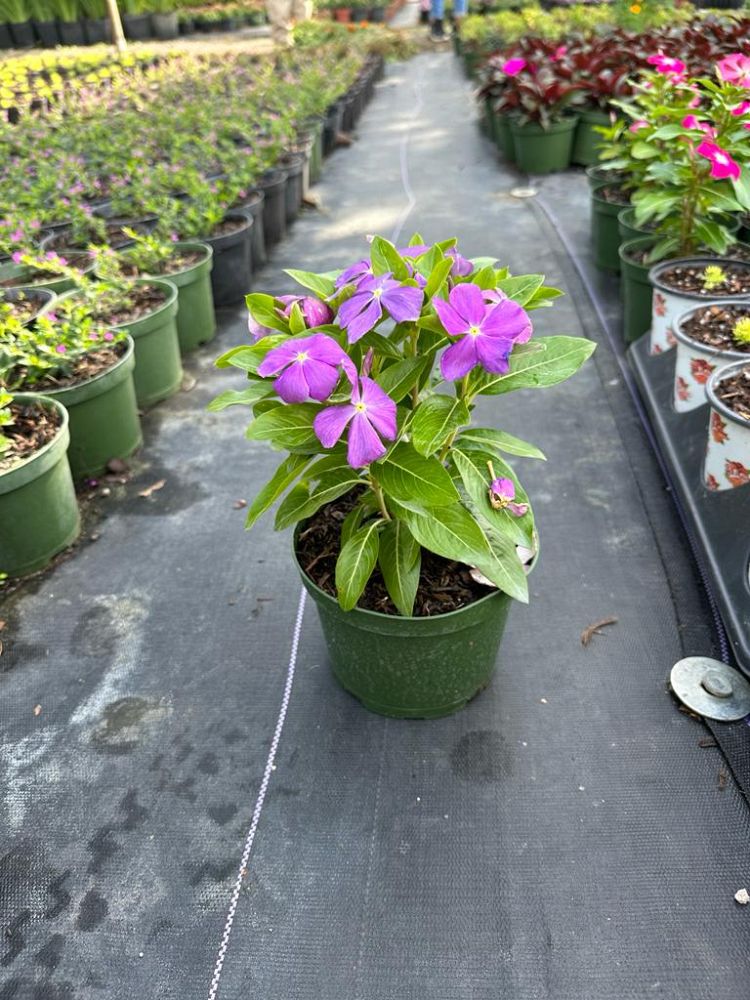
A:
x: 711, y: 688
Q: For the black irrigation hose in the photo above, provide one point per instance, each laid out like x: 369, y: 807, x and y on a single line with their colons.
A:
x: 627, y: 375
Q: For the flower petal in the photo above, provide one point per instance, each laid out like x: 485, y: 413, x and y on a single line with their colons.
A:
x: 468, y: 300
x: 381, y: 409
x: 331, y: 423
x: 292, y: 384
x: 508, y: 320
x: 459, y: 359
x: 364, y: 322
x: 403, y: 303
x: 493, y: 354
x: 352, y: 307
x: 454, y: 324
x: 278, y: 358
x: 364, y: 445
x: 321, y: 378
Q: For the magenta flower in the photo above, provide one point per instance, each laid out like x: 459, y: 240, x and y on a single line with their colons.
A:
x: 61, y: 349
x: 669, y: 67
x: 309, y: 368
x: 690, y: 121
x: 17, y: 235
x: 722, y: 164
x: 741, y: 109
x: 559, y: 53
x: 372, y: 416
x: 512, y: 67
x: 462, y: 267
x: 355, y: 274
x: 488, y: 331
x: 108, y: 335
x: 16, y: 256
x: 52, y: 317
x: 637, y: 125
x: 314, y: 312
x: 735, y: 69
x: 364, y: 310
x: 502, y: 497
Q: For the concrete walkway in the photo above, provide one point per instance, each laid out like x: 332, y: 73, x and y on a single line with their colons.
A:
x: 563, y: 838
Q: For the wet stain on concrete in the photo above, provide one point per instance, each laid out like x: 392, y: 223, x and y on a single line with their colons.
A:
x: 158, y: 929
x: 233, y: 736
x: 50, y: 954
x: 135, y: 814
x: 60, y: 895
x: 222, y: 813
x: 102, y: 847
x: 92, y: 911
x: 15, y: 942
x: 97, y: 633
x: 209, y: 763
x: 122, y: 722
x: 480, y: 756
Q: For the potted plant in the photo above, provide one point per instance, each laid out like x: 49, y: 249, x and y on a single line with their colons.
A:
x: 38, y: 509
x: 136, y: 20
x: 708, y: 337
x: 54, y: 277
x: 24, y: 304
x: 727, y: 463
x: 85, y: 367
x: 164, y: 19
x: 45, y: 25
x: 185, y: 265
x: 368, y: 379
x: 68, y: 25
x: 96, y: 24
x: 17, y: 15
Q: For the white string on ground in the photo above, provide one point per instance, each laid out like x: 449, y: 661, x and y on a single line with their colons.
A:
x: 270, y: 765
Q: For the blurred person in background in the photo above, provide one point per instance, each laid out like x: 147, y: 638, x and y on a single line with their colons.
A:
x: 437, y: 14
x: 283, y: 15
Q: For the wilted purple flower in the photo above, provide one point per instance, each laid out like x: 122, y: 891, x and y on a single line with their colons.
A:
x: 462, y: 267
x: 355, y: 274
x: 502, y: 497
x: 372, y: 415
x: 309, y: 367
x: 359, y: 314
x: 314, y: 312
x: 487, y: 332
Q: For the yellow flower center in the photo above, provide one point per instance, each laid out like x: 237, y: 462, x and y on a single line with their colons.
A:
x: 474, y: 331
x: 360, y: 407
x: 378, y: 292
x: 302, y: 356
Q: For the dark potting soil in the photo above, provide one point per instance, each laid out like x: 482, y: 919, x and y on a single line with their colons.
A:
x: 691, y: 279
x: 228, y: 226
x: 443, y: 585
x: 737, y: 252
x: 144, y: 299
x: 34, y: 277
x: 178, y: 262
x: 24, y: 309
x: 614, y: 194
x: 735, y: 393
x: 714, y: 326
x: 86, y: 367
x: 32, y: 427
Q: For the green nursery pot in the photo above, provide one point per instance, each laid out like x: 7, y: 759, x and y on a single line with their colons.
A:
x: 504, y: 137
x: 38, y: 508
x: 18, y: 274
x: 196, y: 319
x: 636, y: 290
x: 587, y: 140
x: 103, y: 415
x: 542, y: 151
x: 158, y: 368
x: 412, y: 668
x: 471, y: 62
x: 605, y: 231
x: 628, y: 227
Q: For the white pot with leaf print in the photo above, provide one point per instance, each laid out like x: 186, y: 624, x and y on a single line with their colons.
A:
x: 412, y: 532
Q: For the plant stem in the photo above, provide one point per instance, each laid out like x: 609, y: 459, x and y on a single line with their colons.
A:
x: 380, y: 498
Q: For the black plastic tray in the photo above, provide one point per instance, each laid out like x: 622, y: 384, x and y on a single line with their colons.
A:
x: 720, y: 521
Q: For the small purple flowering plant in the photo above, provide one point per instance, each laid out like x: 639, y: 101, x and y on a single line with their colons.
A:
x: 368, y: 381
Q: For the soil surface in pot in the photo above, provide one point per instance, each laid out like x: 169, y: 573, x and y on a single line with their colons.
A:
x: 113, y: 237
x: 443, y: 585
x: 735, y: 393
x: 614, y: 194
x: 33, y: 277
x: 24, y: 309
x: 738, y: 252
x: 228, y: 226
x: 144, y: 299
x: 178, y: 262
x: 31, y: 428
x: 86, y: 367
x: 714, y: 326
x: 692, y: 279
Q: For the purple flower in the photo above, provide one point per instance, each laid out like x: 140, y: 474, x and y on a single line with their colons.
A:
x: 372, y: 415
x: 355, y: 274
x: 52, y: 317
x: 16, y: 257
x: 108, y: 335
x: 314, y: 312
x: 416, y: 251
x: 487, y: 331
x: 17, y: 235
x: 502, y: 495
x: 359, y: 314
x: 61, y: 349
x: 462, y: 267
x: 309, y: 368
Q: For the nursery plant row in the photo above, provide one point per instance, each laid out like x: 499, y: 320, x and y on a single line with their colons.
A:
x: 661, y: 120
x: 97, y: 312
x: 47, y: 23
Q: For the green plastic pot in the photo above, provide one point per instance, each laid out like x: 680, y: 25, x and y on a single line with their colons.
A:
x: 600, y: 174
x: 628, y: 227
x: 487, y: 119
x: 542, y: 151
x: 636, y: 289
x: 605, y: 232
x: 196, y: 318
x: 158, y: 368
x: 504, y: 137
x: 22, y: 275
x: 38, y: 509
x: 587, y: 140
x: 412, y: 668
x: 471, y: 62
x: 103, y: 415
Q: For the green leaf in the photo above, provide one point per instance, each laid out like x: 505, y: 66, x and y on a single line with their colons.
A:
x: 668, y: 132
x: 356, y: 562
x: 286, y: 426
x: 400, y: 559
x: 284, y: 476
x: 521, y: 288
x: 318, y: 283
x: 474, y: 471
x: 435, y: 420
x: 487, y: 438
x: 247, y: 357
x: 398, y: 379
x: 380, y: 344
x: 543, y: 296
x: 264, y: 311
x: 385, y: 257
x: 406, y: 475
x: 643, y: 151
x: 486, y: 278
x: 541, y: 362
x: 298, y: 505
x: 246, y: 397
x: 351, y: 523
x: 296, y: 320
x: 437, y: 277
x: 742, y: 188
x: 416, y: 240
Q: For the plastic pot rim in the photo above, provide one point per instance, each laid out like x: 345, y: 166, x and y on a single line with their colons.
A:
x: 656, y: 269
x: 46, y: 457
x: 726, y: 371
x: 683, y: 338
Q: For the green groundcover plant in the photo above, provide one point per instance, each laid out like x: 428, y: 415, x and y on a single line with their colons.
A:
x: 368, y: 379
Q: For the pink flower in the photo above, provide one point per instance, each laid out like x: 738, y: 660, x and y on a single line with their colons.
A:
x: 16, y: 257
x: 370, y: 416
x: 690, y: 121
x: 108, y: 335
x: 735, y: 69
x: 61, y: 349
x: 638, y: 124
x: 17, y: 235
x: 559, y: 52
x: 502, y: 497
x: 669, y: 67
x: 513, y: 66
x: 741, y: 109
x: 722, y: 164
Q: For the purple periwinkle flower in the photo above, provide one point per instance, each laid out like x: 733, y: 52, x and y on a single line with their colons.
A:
x: 307, y: 368
x: 462, y: 267
x: 108, y: 335
x: 488, y: 332
x: 359, y: 314
x: 61, y: 349
x: 502, y: 497
x: 372, y: 416
x: 314, y: 312
x: 355, y: 274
